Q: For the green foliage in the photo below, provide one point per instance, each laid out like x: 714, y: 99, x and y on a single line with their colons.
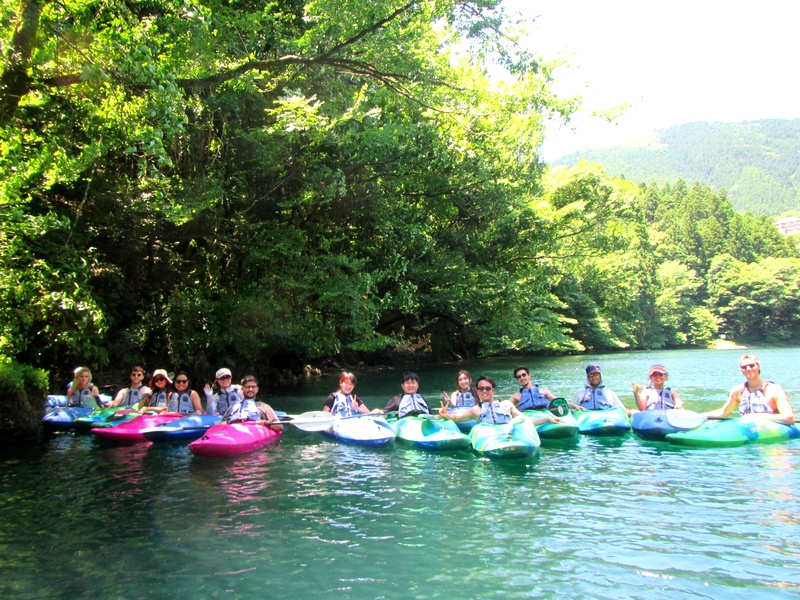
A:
x: 22, y: 393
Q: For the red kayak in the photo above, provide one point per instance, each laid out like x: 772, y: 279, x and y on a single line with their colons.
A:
x: 130, y: 432
x: 227, y: 439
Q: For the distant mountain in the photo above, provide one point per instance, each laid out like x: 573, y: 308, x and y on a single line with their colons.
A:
x: 757, y: 162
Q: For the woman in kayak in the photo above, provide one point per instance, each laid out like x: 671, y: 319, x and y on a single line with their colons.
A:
x: 185, y: 400
x: 227, y: 393
x: 248, y: 408
x: 655, y: 396
x: 160, y: 390
x: 756, y: 395
x: 489, y: 410
x: 343, y: 402
x: 594, y: 395
x: 134, y: 395
x: 465, y: 395
x: 409, y: 403
x: 82, y: 392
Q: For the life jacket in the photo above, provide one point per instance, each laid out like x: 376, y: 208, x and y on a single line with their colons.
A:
x: 531, y: 399
x: 181, y: 404
x: 160, y: 398
x: 343, y: 405
x: 595, y: 398
x: 226, y: 399
x: 83, y: 398
x: 662, y: 401
x: 132, y: 396
x: 412, y: 404
x: 465, y: 398
x: 242, y: 410
x: 495, y: 412
x: 755, y: 402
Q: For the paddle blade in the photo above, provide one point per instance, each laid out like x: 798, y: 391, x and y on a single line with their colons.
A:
x: 559, y: 407
x: 317, y: 420
x: 685, y: 420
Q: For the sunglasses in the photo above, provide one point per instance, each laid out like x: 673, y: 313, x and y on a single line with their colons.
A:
x: 748, y: 366
x: 181, y: 381
x: 520, y: 376
x: 485, y: 388
x: 657, y: 374
x: 250, y: 387
x: 224, y: 377
x: 137, y: 374
x: 159, y: 378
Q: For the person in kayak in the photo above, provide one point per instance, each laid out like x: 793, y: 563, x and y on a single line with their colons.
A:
x: 489, y: 410
x: 756, y: 395
x: 465, y: 395
x: 185, y: 400
x: 248, y: 408
x: 227, y: 394
x: 160, y: 390
x: 343, y: 402
x: 82, y: 392
x: 594, y: 395
x: 134, y: 395
x: 409, y: 403
x: 655, y: 396
x: 530, y: 396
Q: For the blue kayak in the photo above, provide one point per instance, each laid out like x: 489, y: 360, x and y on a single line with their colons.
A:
x: 362, y: 430
x: 62, y: 418
x: 657, y: 424
x: 185, y: 429
x: 608, y: 422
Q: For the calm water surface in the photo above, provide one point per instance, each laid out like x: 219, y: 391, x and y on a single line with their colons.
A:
x: 307, y: 517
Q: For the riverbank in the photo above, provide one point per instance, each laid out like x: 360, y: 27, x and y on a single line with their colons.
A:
x: 725, y: 345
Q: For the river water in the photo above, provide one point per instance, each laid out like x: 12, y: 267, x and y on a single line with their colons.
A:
x: 307, y: 517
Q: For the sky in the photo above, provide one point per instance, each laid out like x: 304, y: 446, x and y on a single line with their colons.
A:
x: 673, y: 62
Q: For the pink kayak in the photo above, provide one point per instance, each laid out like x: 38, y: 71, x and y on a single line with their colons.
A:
x: 227, y: 439
x: 130, y: 432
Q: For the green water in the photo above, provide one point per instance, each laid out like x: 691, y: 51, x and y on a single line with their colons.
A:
x: 307, y: 517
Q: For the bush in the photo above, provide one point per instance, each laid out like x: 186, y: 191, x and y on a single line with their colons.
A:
x: 23, y: 390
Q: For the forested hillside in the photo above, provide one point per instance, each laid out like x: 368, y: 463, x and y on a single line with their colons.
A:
x: 266, y: 185
x: 757, y: 162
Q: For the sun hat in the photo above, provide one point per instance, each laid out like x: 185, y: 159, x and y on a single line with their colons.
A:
x: 162, y: 373
x: 222, y: 372
x: 658, y: 369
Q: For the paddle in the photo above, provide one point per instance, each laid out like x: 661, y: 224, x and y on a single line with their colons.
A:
x: 684, y: 420
x: 559, y: 407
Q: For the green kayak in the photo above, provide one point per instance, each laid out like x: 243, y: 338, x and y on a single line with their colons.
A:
x: 608, y: 422
x: 430, y: 433
x: 566, y: 429
x: 728, y: 433
x: 516, y: 439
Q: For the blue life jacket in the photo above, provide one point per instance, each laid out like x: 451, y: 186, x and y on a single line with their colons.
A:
x: 226, y: 399
x: 132, y: 396
x: 160, y: 398
x: 595, y: 398
x: 531, y: 399
x: 412, y: 404
x: 243, y: 410
x: 663, y: 400
x: 755, y: 402
x: 83, y: 398
x: 181, y: 404
x: 495, y: 412
x: 343, y: 405
x: 465, y: 399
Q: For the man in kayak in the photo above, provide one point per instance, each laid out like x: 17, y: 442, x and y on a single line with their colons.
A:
x: 489, y: 410
x: 594, y: 395
x: 655, y: 396
x: 249, y: 409
x: 409, y: 403
x: 136, y: 394
x: 530, y: 396
x: 756, y: 395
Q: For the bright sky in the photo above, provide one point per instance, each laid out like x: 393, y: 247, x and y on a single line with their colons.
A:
x: 673, y: 62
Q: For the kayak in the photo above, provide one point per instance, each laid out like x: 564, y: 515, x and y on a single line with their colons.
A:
x: 229, y: 439
x: 130, y: 431
x: 566, y: 429
x: 464, y: 426
x: 516, y: 439
x: 62, y: 418
x: 186, y: 429
x: 728, y: 433
x: 362, y: 430
x: 608, y: 422
x: 657, y: 424
x: 55, y: 400
x: 431, y: 433
x: 100, y: 415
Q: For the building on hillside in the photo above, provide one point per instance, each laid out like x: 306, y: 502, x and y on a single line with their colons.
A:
x: 789, y: 225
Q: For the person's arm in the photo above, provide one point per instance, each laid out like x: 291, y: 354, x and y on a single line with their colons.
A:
x: 641, y: 399
x: 451, y: 399
x: 535, y: 420
x: 548, y: 394
x: 616, y: 402
x: 359, y: 405
x: 118, y: 398
x: 785, y: 412
x: 211, y: 400
x: 270, y: 415
x: 676, y: 397
x: 473, y: 413
x: 196, y: 402
x: 515, y: 398
x: 575, y: 403
x: 734, y: 398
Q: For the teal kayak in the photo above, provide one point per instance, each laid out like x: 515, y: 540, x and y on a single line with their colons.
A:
x: 608, y: 422
x: 99, y: 415
x: 566, y: 429
x: 516, y: 439
x: 728, y: 433
x: 430, y: 433
x: 464, y: 426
